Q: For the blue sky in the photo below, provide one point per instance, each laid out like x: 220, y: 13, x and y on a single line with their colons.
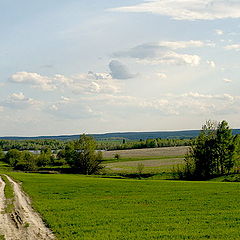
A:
x: 69, y: 67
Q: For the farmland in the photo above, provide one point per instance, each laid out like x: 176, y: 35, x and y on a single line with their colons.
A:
x: 83, y: 207
x: 154, y: 160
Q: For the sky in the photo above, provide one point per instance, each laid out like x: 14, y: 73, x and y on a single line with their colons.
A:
x: 90, y: 66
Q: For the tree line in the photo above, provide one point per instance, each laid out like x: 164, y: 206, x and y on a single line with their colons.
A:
x: 41, y: 144
x: 215, y: 152
x: 81, y: 156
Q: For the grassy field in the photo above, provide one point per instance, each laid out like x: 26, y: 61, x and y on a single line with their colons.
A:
x: 84, y: 207
x: 154, y: 160
x: 147, y: 152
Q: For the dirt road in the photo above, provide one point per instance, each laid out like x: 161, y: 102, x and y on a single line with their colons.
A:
x: 23, y: 223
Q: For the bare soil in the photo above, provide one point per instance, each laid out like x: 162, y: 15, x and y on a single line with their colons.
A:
x: 23, y: 223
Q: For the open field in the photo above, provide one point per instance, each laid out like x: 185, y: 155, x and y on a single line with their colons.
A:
x: 147, y: 152
x: 84, y: 207
x: 154, y: 160
x: 149, y: 166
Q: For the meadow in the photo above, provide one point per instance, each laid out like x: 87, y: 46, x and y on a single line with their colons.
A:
x: 153, y: 160
x: 88, y: 207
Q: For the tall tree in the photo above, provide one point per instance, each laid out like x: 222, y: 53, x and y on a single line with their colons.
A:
x: 85, y: 159
x: 213, y: 151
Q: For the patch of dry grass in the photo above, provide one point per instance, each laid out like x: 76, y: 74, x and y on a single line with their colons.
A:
x: 147, y: 152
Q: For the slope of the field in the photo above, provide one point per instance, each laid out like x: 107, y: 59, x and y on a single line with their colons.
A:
x: 84, y: 207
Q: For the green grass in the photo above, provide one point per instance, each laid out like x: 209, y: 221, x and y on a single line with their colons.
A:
x: 128, y: 159
x: 4, y: 167
x: 9, y: 195
x: 2, y: 237
x: 90, y: 208
x: 151, y: 166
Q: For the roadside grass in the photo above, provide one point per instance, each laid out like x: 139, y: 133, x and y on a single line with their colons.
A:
x: 9, y: 195
x: 2, y: 237
x: 85, y: 207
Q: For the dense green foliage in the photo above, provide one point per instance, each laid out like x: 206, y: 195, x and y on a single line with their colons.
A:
x: 83, y: 207
x: 32, y: 144
x: 108, y: 144
x: 82, y: 155
x: 149, y: 143
x: 27, y: 161
x: 215, y: 152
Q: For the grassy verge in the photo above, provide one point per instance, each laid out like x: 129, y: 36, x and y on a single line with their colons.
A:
x: 9, y: 195
x: 85, y: 207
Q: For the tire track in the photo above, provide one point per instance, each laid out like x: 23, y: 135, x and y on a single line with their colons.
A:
x: 23, y: 223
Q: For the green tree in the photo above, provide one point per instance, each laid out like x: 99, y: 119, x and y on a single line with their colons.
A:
x: 28, y: 162
x: 2, y: 155
x: 225, y: 148
x: 85, y: 159
x: 213, y: 152
x: 13, y: 157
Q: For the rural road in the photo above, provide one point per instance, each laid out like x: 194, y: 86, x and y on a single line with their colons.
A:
x: 23, y: 223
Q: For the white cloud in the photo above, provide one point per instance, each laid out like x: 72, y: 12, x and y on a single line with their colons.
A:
x: 72, y: 109
x: 184, y: 44
x: 211, y: 64
x: 33, y: 79
x: 227, y: 80
x: 19, y: 101
x: 219, y: 31
x: 173, y: 58
x: 161, y: 75
x: 233, y: 47
x: 188, y: 9
x: 94, y: 83
x: 162, y: 52
x: 192, y: 103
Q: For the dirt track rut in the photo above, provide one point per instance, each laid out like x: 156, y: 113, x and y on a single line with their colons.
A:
x: 23, y: 223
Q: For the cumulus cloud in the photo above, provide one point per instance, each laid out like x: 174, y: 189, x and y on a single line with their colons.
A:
x: 119, y: 70
x: 184, y: 44
x: 188, y: 9
x: 161, y: 75
x: 192, y: 103
x: 84, y: 83
x: 219, y: 32
x: 233, y: 47
x: 211, y: 64
x: 173, y: 58
x: 165, y: 52
x: 95, y: 83
x: 32, y: 79
x: 227, y: 80
x: 39, y: 81
x: 19, y: 101
x: 66, y: 109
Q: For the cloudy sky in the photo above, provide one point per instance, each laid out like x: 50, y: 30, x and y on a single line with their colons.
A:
x: 96, y: 66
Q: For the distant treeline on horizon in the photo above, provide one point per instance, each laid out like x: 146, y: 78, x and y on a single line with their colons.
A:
x: 186, y: 134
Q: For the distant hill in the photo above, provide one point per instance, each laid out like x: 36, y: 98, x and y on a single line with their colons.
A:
x: 187, y: 134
